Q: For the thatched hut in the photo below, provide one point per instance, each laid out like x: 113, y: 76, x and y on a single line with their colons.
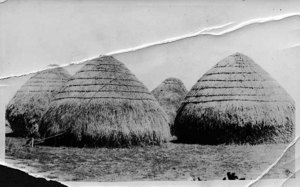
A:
x: 170, y: 93
x: 104, y: 104
x: 236, y: 102
x: 32, y: 99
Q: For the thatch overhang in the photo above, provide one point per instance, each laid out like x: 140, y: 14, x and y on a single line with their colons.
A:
x: 104, y: 104
x: 236, y: 102
x: 33, y: 98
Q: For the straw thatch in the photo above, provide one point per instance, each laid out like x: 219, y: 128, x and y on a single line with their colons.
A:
x: 236, y: 102
x: 104, y: 104
x: 170, y: 94
x: 32, y: 99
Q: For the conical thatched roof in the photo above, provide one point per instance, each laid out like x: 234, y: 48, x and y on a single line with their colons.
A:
x: 32, y: 99
x: 104, y: 104
x: 170, y: 94
x: 236, y: 102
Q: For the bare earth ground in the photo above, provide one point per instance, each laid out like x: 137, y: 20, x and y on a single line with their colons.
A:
x: 167, y: 162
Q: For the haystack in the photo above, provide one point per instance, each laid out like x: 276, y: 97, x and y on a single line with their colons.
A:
x: 236, y: 102
x: 104, y: 104
x: 33, y: 98
x: 170, y: 93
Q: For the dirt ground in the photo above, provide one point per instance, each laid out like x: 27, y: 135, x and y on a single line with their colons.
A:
x: 159, y: 163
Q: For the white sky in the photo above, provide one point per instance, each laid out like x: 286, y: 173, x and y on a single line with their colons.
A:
x: 34, y: 34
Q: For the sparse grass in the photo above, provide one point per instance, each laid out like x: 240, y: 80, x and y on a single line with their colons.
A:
x: 9, y: 145
x: 167, y: 162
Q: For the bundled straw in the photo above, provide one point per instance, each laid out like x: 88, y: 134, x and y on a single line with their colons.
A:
x: 170, y: 94
x: 105, y: 105
x: 32, y: 99
x: 236, y: 102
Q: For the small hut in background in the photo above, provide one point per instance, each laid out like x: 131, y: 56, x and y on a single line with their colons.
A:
x: 104, y: 104
x: 29, y: 103
x: 236, y: 102
x: 170, y: 94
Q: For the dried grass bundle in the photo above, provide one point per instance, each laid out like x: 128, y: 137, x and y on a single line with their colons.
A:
x: 104, y: 104
x: 33, y: 98
x: 236, y: 102
x: 170, y: 93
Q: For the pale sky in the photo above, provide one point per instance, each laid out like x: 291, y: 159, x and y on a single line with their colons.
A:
x: 34, y: 34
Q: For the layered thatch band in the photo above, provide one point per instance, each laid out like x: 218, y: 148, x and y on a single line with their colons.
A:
x: 104, y: 104
x: 236, y: 102
x: 170, y: 93
x: 30, y: 102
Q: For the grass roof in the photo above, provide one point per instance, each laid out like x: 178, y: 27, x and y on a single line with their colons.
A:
x: 236, y: 102
x: 170, y: 93
x: 104, y: 104
x: 33, y: 98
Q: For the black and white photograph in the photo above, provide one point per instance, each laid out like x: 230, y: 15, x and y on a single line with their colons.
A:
x: 152, y: 93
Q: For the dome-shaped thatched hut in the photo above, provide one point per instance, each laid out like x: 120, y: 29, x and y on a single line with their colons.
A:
x: 104, y: 104
x: 170, y: 94
x: 32, y: 99
x: 236, y: 102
